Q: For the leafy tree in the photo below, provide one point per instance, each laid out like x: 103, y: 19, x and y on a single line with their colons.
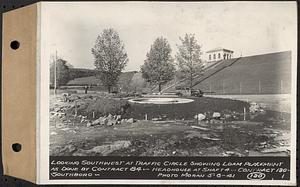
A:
x: 189, y: 57
x: 62, y: 72
x: 110, y: 57
x: 158, y: 67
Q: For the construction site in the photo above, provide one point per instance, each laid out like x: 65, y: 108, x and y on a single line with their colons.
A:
x: 244, y: 111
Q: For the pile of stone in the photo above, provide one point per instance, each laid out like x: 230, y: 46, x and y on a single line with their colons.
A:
x: 256, y: 108
x: 216, y: 117
x: 58, y: 112
x: 110, y: 120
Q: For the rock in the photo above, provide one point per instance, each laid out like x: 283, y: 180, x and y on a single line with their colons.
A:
x: 262, y: 111
x: 130, y: 120
x: 263, y: 143
x: 111, y: 122
x: 96, y: 122
x: 83, y: 119
x: 100, y: 121
x: 88, y: 124
x: 254, y: 107
x: 123, y: 121
x: 200, y: 117
x: 216, y: 115
x: 109, y: 117
x: 118, y: 117
x: 227, y: 116
x: 103, y: 120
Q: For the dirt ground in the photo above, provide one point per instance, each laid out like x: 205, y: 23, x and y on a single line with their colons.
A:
x: 266, y: 134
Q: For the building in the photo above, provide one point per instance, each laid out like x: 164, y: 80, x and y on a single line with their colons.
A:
x: 219, y: 54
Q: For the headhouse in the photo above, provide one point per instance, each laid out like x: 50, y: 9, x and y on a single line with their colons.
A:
x: 219, y: 53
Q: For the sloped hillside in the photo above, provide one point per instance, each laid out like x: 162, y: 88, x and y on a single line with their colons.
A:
x: 260, y: 74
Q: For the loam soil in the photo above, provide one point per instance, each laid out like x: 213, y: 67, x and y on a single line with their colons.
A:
x: 261, y: 134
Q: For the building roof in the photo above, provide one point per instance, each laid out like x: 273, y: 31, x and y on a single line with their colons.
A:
x: 218, y: 49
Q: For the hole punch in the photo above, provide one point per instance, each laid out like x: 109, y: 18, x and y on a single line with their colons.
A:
x: 15, y: 44
x: 16, y: 147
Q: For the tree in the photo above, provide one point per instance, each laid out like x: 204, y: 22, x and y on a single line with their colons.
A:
x: 158, y: 67
x: 110, y: 57
x: 189, y: 57
x: 62, y: 72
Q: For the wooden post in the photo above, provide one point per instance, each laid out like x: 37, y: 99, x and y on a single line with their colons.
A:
x: 93, y: 114
x: 75, y: 108
x: 146, y: 117
x: 244, y: 114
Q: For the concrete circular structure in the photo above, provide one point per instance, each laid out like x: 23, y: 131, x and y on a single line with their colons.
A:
x: 161, y: 100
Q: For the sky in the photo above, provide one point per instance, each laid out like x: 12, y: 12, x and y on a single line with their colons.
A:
x: 247, y: 28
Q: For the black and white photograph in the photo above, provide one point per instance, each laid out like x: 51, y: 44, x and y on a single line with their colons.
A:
x: 150, y: 93
x: 168, y: 92
x: 171, y: 79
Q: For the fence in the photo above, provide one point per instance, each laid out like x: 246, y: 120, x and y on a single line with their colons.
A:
x: 246, y: 87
